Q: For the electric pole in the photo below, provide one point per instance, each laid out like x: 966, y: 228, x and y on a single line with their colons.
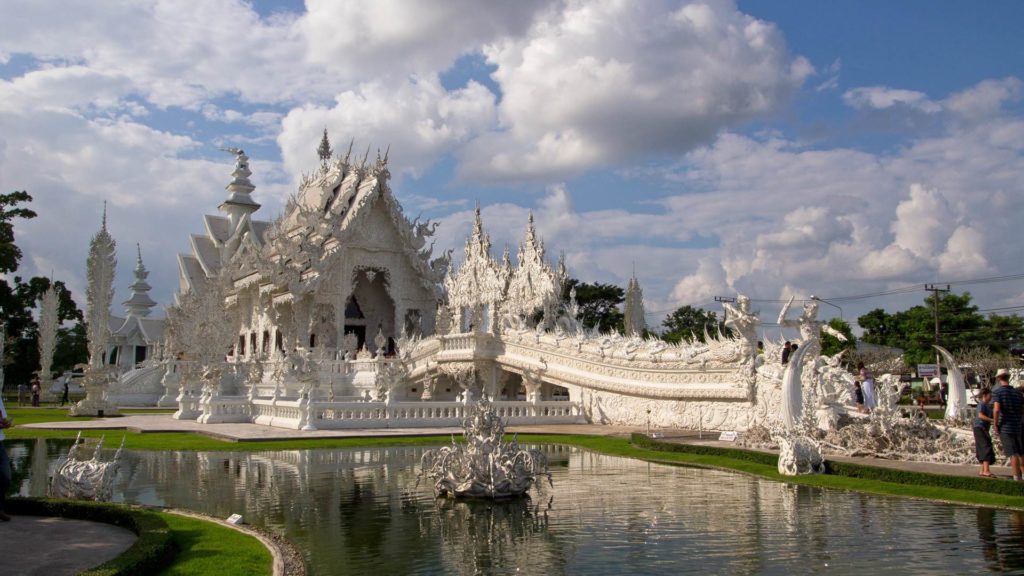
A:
x: 729, y: 299
x: 935, y: 290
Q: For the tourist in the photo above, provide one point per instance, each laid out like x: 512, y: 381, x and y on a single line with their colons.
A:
x: 64, y: 396
x: 868, y: 385
x: 1007, y: 411
x: 982, y: 438
x: 5, y: 462
x: 22, y: 393
x: 858, y: 395
x: 787, y: 349
x: 36, y: 390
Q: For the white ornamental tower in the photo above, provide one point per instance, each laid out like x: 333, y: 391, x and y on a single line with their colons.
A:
x: 634, y: 312
x: 139, y: 304
x: 239, y: 200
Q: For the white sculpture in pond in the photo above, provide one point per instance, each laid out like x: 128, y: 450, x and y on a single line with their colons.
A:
x: 90, y: 479
x: 486, y: 465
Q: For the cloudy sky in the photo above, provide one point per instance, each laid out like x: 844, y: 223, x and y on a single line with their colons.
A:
x: 770, y: 148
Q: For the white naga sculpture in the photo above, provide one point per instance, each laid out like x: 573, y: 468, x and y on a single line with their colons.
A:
x: 486, y: 465
x: 956, y: 404
x: 90, y: 479
x: 798, y: 452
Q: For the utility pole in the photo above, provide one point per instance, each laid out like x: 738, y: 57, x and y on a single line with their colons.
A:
x: 935, y: 290
x: 725, y: 311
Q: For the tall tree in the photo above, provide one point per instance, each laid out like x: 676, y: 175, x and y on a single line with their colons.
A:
x: 599, y: 304
x: 830, y: 345
x: 687, y: 322
x: 18, y: 297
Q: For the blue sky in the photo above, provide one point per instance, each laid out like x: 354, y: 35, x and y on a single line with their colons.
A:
x: 772, y: 148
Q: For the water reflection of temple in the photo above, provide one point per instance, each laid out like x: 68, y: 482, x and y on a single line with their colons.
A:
x: 359, y: 509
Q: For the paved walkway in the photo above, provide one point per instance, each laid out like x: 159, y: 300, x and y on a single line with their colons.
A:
x: 49, y: 546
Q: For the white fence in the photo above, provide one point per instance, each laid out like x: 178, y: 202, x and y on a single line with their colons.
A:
x: 325, y: 415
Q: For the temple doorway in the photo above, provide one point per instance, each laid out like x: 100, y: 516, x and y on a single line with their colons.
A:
x: 370, y: 307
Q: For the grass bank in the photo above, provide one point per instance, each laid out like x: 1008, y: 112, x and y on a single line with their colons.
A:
x: 211, y: 548
x: 167, y: 544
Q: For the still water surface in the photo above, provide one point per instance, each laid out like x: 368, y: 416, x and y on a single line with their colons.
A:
x: 359, y: 511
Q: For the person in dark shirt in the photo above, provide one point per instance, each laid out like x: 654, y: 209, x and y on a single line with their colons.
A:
x: 982, y: 438
x: 787, y: 348
x: 858, y: 396
x: 1007, y: 411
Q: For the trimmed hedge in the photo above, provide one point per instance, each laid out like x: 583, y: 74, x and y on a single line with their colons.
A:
x: 150, y: 553
x: 849, y: 470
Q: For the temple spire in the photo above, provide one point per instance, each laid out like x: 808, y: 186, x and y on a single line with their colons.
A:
x: 634, y: 321
x: 239, y: 201
x: 324, y: 151
x: 139, y: 303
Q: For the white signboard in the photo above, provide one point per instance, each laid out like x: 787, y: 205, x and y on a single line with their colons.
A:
x: 927, y: 370
x: 727, y: 436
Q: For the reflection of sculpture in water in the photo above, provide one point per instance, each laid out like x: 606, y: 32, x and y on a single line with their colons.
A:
x: 486, y: 466
x: 483, y: 535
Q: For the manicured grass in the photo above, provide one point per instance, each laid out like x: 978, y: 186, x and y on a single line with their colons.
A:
x: 210, y: 548
x: 29, y: 415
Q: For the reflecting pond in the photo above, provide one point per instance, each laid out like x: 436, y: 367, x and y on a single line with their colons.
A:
x: 355, y: 510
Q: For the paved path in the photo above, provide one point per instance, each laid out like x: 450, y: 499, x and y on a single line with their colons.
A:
x: 49, y: 546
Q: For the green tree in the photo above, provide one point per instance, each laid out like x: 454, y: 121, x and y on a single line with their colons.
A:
x: 598, y: 304
x: 961, y: 325
x: 10, y: 254
x: 687, y: 322
x: 19, y: 297
x: 830, y: 345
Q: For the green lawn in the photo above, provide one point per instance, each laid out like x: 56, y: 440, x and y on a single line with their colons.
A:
x: 29, y: 415
x: 210, y: 548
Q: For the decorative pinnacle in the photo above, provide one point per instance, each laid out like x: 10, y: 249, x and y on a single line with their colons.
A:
x: 103, y: 225
x: 324, y: 151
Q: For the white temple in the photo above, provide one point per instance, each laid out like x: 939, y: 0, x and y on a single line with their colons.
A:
x: 338, y: 315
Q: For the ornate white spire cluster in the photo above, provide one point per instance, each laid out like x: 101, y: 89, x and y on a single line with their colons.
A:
x: 634, y: 308
x: 478, y: 282
x: 520, y: 291
x: 139, y: 304
x: 100, y: 268
x: 48, y: 324
x: 533, y: 285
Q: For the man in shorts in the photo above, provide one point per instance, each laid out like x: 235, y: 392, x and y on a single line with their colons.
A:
x: 1007, y: 411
